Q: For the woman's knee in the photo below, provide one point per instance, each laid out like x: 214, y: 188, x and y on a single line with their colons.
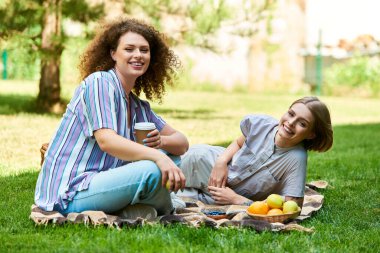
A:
x: 149, y: 169
x: 191, y: 160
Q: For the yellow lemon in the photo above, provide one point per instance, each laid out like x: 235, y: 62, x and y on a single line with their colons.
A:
x: 275, y: 201
x: 290, y: 207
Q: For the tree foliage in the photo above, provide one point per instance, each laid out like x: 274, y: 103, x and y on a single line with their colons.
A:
x: 23, y: 19
x: 37, y: 25
x: 196, y: 23
x: 20, y: 17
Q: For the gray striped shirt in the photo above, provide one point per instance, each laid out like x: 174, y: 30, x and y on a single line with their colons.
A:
x: 260, y: 168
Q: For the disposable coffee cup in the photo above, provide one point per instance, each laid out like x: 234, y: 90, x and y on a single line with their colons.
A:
x: 142, y: 129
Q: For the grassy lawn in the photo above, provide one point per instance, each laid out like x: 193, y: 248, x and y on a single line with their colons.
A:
x: 348, y: 221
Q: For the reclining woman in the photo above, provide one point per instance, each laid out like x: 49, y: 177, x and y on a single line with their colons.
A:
x: 269, y: 157
x: 93, y: 161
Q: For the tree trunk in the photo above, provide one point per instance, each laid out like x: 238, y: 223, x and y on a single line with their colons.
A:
x: 51, y: 47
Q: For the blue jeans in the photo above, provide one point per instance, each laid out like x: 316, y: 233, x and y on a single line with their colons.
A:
x: 134, y: 183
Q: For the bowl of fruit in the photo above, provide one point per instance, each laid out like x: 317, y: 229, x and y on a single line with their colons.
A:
x: 274, y: 209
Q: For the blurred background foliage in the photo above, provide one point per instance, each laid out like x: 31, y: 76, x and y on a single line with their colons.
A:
x: 198, y: 24
x: 360, y: 74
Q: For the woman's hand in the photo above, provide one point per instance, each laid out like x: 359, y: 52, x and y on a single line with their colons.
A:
x: 171, y: 174
x: 219, y: 173
x: 112, y: 143
x: 153, y: 139
x: 43, y: 150
x: 225, y: 196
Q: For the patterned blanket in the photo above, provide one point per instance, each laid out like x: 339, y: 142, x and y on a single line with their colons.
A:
x: 193, y: 215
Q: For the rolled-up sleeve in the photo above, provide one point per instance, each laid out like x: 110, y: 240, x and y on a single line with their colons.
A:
x: 245, y: 126
x: 98, y: 104
x: 253, y: 125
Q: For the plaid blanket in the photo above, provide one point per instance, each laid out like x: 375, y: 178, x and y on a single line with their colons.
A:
x: 193, y: 215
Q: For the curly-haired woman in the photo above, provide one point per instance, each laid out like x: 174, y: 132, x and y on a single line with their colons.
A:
x: 93, y: 161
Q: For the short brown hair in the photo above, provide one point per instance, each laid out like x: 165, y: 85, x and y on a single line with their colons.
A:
x: 163, y: 62
x: 322, y: 127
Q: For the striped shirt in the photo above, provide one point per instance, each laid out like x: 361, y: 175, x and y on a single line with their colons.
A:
x: 74, y: 156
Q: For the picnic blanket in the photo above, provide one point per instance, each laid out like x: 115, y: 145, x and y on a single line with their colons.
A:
x: 193, y: 215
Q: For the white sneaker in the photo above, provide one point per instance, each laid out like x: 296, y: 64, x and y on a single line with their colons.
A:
x: 177, y: 202
x: 138, y: 211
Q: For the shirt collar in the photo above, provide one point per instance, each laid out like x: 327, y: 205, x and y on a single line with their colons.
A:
x: 133, y: 97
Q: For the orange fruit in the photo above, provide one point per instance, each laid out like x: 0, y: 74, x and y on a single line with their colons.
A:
x: 275, y: 211
x: 258, y: 207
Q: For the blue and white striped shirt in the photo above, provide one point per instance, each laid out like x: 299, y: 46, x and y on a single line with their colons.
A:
x: 74, y: 156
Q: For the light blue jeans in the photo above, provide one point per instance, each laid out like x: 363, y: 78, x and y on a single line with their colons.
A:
x: 134, y: 183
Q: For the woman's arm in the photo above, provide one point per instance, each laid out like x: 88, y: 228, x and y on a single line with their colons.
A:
x: 112, y: 143
x: 227, y: 196
x: 219, y: 173
x: 169, y: 140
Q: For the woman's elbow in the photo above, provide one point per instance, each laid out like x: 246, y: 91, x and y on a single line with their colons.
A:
x: 185, y: 146
x: 103, y: 139
x: 103, y: 145
x: 184, y: 149
x: 182, y: 144
x: 179, y: 149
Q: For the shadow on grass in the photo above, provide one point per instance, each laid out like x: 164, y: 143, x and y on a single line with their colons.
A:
x: 16, y: 103
x: 188, y: 114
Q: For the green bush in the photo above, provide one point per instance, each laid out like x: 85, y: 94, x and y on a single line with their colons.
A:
x: 22, y: 61
x: 360, y: 73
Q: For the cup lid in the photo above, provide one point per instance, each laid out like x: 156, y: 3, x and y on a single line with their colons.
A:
x: 145, y: 126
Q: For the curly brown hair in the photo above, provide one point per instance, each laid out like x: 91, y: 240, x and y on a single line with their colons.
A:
x: 162, y: 67
x: 322, y: 128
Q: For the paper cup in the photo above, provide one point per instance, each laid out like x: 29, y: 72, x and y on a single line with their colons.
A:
x: 142, y: 129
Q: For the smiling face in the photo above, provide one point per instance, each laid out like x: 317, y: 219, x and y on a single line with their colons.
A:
x: 132, y: 57
x: 295, y: 126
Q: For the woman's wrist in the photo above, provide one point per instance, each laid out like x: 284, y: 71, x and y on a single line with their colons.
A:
x: 222, y: 160
x: 245, y: 202
x: 163, y: 141
x: 240, y: 200
x: 155, y: 155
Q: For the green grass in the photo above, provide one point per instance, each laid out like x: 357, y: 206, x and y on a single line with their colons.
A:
x: 348, y: 221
